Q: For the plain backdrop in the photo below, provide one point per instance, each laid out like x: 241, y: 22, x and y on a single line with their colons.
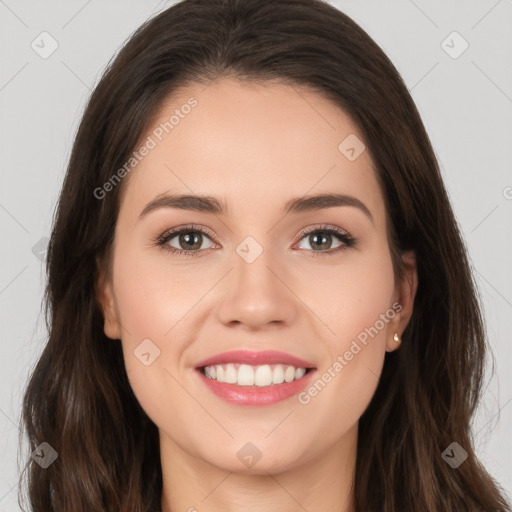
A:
x: 463, y: 94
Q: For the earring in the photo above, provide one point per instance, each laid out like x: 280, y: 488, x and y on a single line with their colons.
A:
x: 396, y: 339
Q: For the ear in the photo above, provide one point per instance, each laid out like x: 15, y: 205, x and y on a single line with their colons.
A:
x: 105, y: 298
x: 405, y: 293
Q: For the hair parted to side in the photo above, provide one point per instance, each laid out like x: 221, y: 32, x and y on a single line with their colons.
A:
x: 79, y: 399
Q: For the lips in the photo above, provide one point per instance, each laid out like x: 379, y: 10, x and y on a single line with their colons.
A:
x: 254, y: 396
x: 256, y: 358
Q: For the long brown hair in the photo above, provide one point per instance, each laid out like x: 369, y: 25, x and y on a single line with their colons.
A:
x: 79, y: 399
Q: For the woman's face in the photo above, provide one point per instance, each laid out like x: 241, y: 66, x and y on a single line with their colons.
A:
x: 259, y: 279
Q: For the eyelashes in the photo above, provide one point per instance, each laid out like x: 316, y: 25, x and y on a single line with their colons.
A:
x: 188, y: 235
x: 163, y: 239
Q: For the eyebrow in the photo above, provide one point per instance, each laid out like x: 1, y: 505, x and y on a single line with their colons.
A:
x: 214, y: 205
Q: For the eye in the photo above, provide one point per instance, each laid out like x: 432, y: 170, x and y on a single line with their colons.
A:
x: 190, y: 240
x: 321, y: 237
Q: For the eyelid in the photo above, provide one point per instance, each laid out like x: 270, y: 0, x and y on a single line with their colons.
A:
x: 187, y: 227
x: 323, y: 227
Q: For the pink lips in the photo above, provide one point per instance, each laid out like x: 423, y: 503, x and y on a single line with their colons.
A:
x: 249, y: 395
x: 255, y: 358
x: 254, y: 395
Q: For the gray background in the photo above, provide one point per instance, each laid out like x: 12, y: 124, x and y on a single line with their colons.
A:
x: 465, y: 102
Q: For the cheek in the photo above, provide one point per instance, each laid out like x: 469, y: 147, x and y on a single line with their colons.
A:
x: 153, y: 296
x: 152, y: 303
x: 348, y: 295
x: 357, y: 307
x: 364, y: 315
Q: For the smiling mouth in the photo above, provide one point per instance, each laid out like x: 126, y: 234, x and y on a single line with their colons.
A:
x: 263, y: 375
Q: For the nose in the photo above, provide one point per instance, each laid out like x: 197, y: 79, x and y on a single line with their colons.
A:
x: 258, y: 294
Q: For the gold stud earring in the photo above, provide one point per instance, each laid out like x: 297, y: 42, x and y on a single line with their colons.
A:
x: 396, y: 339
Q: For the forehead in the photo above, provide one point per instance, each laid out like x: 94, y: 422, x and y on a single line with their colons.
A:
x: 253, y: 145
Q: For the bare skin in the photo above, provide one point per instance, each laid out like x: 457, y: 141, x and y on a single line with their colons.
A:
x: 255, y: 147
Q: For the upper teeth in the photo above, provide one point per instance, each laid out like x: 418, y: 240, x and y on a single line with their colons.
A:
x: 247, y: 375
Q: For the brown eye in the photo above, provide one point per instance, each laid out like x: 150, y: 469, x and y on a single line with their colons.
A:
x: 188, y: 240
x: 321, y: 240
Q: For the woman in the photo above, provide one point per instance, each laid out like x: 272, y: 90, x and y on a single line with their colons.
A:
x: 258, y: 296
